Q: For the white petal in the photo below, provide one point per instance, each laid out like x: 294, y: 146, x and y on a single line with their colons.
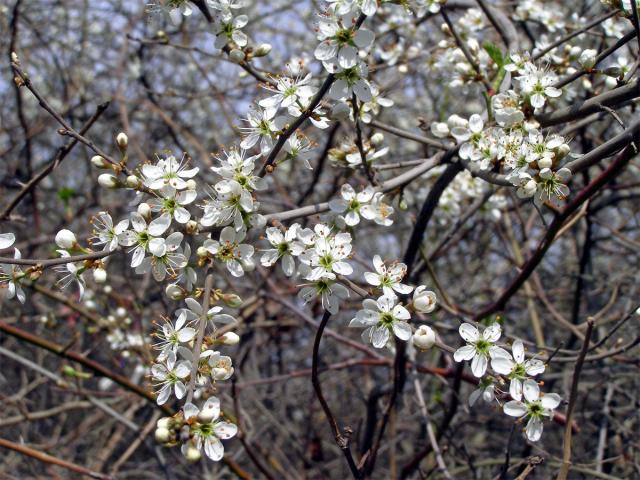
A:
x: 534, y: 429
x: 225, y: 430
x: 464, y: 353
x: 479, y: 365
x: 158, y: 226
x: 502, y: 365
x: 518, y: 351
x: 515, y: 408
x: 402, y: 330
x: 379, y: 336
x: 213, y: 448
x: 515, y: 388
x: 531, y: 390
x: 468, y: 332
x: 6, y: 240
x: 551, y: 401
x: 492, y: 333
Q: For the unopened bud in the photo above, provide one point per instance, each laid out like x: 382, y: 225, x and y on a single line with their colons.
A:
x: 191, y: 184
x: 613, y: 72
x: 563, y: 151
x: 191, y: 227
x: 122, y: 140
x: 202, y: 252
x: 66, y: 239
x: 377, y: 139
x: 100, y: 275
x: 231, y: 300
x: 164, y: 422
x: 424, y: 300
x: 99, y: 162
x: 192, y: 454
x: 263, y: 50
x: 162, y: 435
x: 230, y: 338
x: 545, y: 162
x: 133, y: 182
x: 107, y: 180
x: 145, y: 210
x: 236, y: 56
x: 174, y: 292
x: 573, y: 51
x: 588, y: 58
x: 424, y: 338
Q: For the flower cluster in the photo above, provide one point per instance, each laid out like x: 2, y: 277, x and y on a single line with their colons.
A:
x: 527, y: 401
x: 529, y: 159
x: 385, y: 317
x: 172, y: 374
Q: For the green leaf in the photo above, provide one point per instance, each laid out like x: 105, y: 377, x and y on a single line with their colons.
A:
x: 495, y: 53
x: 66, y: 194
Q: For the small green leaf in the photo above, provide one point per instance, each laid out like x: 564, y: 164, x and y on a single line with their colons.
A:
x: 495, y: 53
x: 66, y: 194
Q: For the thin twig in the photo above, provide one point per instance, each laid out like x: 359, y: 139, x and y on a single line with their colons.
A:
x: 566, y: 451
x: 341, y: 440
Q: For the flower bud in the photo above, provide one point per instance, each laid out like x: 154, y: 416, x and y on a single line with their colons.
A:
x: 100, y: 275
x: 145, y: 210
x: 174, y: 292
x: 122, y: 140
x: 573, y: 51
x: 424, y: 338
x: 588, y: 58
x: 236, y: 56
x: 192, y: 454
x: 424, y: 300
x: 545, y: 162
x: 202, y: 252
x: 230, y: 338
x: 191, y: 184
x: 377, y: 139
x: 613, y: 72
x: 191, y: 227
x: 164, y: 422
x: 528, y: 189
x: 440, y: 129
x: 133, y: 182
x: 231, y: 300
x: 107, y: 180
x: 563, y: 151
x: 162, y: 435
x: 66, y: 239
x: 263, y: 50
x: 457, y: 121
x: 99, y: 162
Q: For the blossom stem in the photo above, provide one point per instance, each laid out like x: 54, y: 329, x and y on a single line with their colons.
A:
x: 208, y: 285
